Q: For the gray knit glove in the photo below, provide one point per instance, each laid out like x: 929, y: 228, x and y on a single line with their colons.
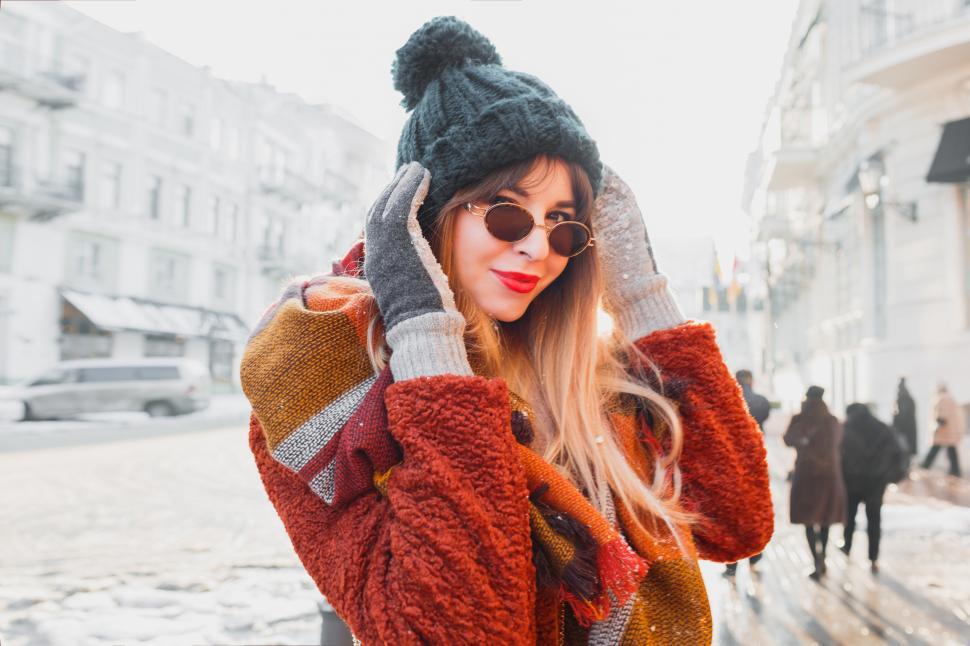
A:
x: 423, y: 328
x: 635, y: 295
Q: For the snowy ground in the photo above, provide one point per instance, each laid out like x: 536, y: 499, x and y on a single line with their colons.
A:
x: 169, y: 539
x: 165, y: 540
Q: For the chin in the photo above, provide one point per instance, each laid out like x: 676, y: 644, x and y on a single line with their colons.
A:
x: 507, y: 312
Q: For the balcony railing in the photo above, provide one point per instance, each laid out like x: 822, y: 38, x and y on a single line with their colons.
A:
x: 39, y: 200
x: 881, y: 28
x: 43, y: 80
x: 272, y: 261
x: 288, y: 185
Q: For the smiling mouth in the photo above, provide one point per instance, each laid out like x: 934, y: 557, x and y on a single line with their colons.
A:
x: 521, y: 283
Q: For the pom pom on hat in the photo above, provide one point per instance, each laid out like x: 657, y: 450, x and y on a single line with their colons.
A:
x: 440, y: 43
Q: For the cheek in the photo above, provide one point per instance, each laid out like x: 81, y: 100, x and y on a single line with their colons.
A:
x: 475, y: 251
x: 555, y: 265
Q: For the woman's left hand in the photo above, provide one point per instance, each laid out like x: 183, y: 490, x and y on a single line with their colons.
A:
x: 635, y: 293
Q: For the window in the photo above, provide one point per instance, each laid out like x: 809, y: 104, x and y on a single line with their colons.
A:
x: 223, y: 285
x: 231, y: 222
x: 215, y: 133
x: 111, y: 186
x: 76, y: 70
x: 158, y: 372
x: 273, y: 235
x: 108, y: 373
x: 91, y: 261
x: 169, y: 275
x: 183, y: 203
x: 272, y: 162
x: 154, y: 197
x: 232, y: 143
x: 113, y: 95
x: 72, y: 174
x: 186, y: 123
x: 164, y: 345
x: 159, y: 108
x: 6, y: 156
x: 214, y: 210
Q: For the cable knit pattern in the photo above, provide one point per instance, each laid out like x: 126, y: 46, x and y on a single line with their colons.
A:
x: 471, y: 116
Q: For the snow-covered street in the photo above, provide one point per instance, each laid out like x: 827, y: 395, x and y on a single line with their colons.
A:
x: 162, y: 540
x: 169, y: 540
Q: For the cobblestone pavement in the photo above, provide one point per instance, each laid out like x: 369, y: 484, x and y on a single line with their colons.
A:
x: 171, y: 540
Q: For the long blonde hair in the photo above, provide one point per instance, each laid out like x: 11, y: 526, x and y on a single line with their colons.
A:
x: 555, y: 360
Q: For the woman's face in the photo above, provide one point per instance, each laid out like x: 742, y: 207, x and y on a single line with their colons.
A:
x: 503, y: 278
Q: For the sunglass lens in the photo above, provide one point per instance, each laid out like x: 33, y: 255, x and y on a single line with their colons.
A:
x: 509, y: 223
x: 568, y: 238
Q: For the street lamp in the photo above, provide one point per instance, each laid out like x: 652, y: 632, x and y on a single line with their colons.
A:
x: 872, y: 180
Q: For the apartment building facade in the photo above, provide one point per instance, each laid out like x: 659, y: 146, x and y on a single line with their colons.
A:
x: 858, y: 194
x: 148, y: 208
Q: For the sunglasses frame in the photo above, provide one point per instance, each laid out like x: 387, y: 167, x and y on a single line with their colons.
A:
x: 486, y: 209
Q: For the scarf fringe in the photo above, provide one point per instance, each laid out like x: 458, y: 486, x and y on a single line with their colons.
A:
x: 621, y: 571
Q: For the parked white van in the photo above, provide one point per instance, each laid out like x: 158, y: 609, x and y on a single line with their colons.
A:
x: 157, y: 386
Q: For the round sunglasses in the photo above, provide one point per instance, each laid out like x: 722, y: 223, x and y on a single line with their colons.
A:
x: 510, y: 223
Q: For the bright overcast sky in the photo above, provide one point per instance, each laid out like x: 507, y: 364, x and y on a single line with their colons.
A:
x: 674, y: 93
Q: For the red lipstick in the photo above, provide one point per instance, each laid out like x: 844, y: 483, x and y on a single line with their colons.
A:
x: 521, y: 283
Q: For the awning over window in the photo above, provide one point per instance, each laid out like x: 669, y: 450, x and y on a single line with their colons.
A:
x: 125, y: 313
x: 951, y: 164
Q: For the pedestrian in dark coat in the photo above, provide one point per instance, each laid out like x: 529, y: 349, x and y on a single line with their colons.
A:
x: 817, y: 490
x: 904, y: 415
x: 870, y: 454
x: 760, y: 408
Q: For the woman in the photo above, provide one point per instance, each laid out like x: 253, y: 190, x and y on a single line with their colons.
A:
x: 870, y: 455
x: 951, y: 425
x: 455, y: 453
x: 817, y: 491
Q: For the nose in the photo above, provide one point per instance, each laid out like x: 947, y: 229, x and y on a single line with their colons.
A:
x: 536, y: 244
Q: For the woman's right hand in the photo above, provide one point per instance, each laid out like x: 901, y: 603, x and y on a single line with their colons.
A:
x: 423, y: 327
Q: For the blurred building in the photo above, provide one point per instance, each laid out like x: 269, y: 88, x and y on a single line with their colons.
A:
x: 148, y: 208
x: 859, y: 195
x: 726, y: 299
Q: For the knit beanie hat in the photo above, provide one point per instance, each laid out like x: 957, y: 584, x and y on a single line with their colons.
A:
x: 471, y: 116
x: 814, y: 392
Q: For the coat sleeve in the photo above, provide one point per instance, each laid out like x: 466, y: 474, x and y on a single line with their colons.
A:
x: 437, y: 551
x: 723, y: 463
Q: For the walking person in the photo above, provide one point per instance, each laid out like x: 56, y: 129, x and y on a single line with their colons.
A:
x: 904, y: 415
x: 870, y: 456
x: 760, y: 409
x: 951, y: 426
x: 456, y: 454
x: 817, y: 490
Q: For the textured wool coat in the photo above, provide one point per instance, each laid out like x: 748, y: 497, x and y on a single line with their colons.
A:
x: 409, y: 503
x: 817, y: 490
